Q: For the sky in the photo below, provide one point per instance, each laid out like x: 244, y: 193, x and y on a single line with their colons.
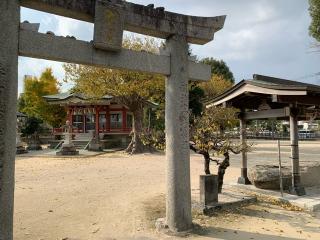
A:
x: 268, y: 37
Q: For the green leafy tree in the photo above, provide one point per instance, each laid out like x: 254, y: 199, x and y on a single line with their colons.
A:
x: 215, y: 86
x: 210, y: 139
x: 196, y: 94
x: 32, y: 103
x: 32, y: 126
x: 314, y: 28
x: 219, y: 68
x: 133, y: 89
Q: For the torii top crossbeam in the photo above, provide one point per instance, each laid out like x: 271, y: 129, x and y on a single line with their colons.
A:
x: 111, y: 18
x: 136, y: 18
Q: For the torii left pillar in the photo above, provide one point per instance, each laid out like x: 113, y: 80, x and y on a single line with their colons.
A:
x: 9, y: 31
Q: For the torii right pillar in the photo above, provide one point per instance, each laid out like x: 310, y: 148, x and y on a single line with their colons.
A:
x: 296, y: 187
x: 178, y: 207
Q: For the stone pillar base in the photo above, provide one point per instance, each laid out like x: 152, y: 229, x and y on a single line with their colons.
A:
x: 297, y: 190
x: 244, y: 177
x: 67, y: 151
x: 208, y: 189
x: 162, y: 227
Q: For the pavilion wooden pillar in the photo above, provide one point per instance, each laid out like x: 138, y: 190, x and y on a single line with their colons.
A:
x: 296, y: 187
x: 124, y: 119
x: 97, y: 120
x: 108, y: 118
x: 244, y: 167
x: 70, y: 113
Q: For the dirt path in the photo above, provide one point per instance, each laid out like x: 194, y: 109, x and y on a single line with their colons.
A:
x: 115, y: 196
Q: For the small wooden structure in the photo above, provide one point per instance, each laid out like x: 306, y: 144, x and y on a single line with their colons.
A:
x: 266, y: 97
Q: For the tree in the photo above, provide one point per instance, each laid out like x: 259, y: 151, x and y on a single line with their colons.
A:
x: 314, y: 28
x: 196, y: 94
x: 219, y: 68
x: 210, y: 139
x: 215, y: 86
x: 132, y: 89
x: 32, y: 103
x: 32, y: 126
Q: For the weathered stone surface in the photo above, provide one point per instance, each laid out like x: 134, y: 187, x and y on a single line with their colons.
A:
x: 267, y: 176
x: 34, y: 27
x: 138, y: 18
x: 9, y: 26
x: 45, y: 46
x: 108, y: 27
x: 208, y: 189
x: 178, y: 210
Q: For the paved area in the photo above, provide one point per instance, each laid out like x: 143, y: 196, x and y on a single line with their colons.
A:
x: 309, y: 202
x: 266, y: 152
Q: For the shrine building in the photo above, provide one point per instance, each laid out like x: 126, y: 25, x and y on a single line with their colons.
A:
x: 104, y: 116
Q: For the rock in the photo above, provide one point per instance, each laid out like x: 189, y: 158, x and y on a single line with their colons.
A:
x: 50, y: 33
x: 267, y: 177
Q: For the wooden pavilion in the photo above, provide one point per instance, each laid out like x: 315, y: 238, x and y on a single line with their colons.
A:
x: 266, y: 97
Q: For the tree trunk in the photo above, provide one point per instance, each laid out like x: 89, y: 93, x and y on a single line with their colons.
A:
x: 206, y: 162
x: 222, y: 169
x: 205, y: 155
x: 136, y: 145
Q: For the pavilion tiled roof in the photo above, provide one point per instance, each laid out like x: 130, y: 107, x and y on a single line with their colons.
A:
x: 269, y: 83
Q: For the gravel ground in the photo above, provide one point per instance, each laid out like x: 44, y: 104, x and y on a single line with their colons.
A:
x: 116, y: 196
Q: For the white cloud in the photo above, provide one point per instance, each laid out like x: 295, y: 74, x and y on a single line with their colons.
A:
x: 261, y: 36
x: 67, y: 26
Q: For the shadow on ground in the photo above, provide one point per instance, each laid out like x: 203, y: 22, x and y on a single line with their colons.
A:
x: 155, y: 208
x: 229, y: 234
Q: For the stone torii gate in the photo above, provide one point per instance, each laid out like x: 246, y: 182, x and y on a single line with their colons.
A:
x: 110, y: 18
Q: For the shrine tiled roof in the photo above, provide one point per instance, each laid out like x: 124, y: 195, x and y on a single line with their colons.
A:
x: 67, y: 95
x: 64, y: 97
